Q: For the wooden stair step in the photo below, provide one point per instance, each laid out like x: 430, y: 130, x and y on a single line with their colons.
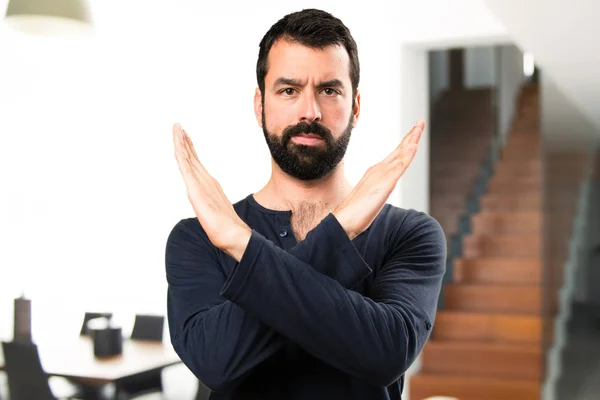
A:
x: 518, y: 179
x: 521, y: 299
x: 520, y: 165
x: 512, y: 152
x: 452, y: 199
x: 520, y: 156
x: 447, y: 221
x: 514, y: 186
x: 522, y: 149
x: 534, y: 177
x: 501, y: 245
x: 522, y: 134
x: 522, y: 144
x: 423, y: 385
x: 504, y: 221
x: 516, y: 160
x: 499, y: 270
x: 448, y: 224
x: 445, y: 154
x: 458, y: 165
x: 449, y: 182
x: 511, y: 361
x: 448, y: 171
x: 507, y: 201
x: 522, y: 176
x: 483, y: 327
x: 517, y: 169
x: 440, y: 209
x: 450, y: 138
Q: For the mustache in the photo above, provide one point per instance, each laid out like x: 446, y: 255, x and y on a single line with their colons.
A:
x: 304, y: 127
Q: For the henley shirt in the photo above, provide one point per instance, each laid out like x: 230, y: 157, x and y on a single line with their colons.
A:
x: 323, y: 318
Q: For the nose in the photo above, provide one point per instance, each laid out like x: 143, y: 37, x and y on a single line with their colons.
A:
x: 308, y: 108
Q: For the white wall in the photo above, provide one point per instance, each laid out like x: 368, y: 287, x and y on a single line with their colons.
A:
x: 565, y: 130
x: 414, y: 105
x: 510, y: 78
x: 564, y: 127
x: 90, y: 187
x: 563, y: 37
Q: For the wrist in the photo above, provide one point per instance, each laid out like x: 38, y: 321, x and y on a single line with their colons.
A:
x: 345, y: 222
x: 236, y: 241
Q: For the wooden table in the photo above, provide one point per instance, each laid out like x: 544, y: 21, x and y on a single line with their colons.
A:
x: 74, y: 359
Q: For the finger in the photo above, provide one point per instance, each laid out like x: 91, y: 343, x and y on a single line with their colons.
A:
x: 400, y: 164
x: 179, y: 142
x: 188, y: 140
x: 181, y: 153
x: 415, y: 135
x: 188, y: 149
x: 189, y: 146
x: 178, y: 138
x: 412, y: 137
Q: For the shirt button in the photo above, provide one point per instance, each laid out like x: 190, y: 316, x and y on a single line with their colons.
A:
x: 428, y: 325
x: 283, y: 233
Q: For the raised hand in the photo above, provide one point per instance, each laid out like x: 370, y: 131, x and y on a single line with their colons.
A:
x: 356, y: 213
x: 216, y: 214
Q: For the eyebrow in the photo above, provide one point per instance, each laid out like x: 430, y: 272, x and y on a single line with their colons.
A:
x: 293, y: 82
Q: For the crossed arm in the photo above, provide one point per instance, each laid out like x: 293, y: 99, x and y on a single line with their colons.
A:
x: 224, y: 326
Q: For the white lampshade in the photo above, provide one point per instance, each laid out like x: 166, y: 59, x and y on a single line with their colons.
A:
x: 48, y: 17
x: 71, y: 9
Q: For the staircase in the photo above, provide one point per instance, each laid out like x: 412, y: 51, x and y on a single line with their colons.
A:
x: 457, y: 152
x: 487, y: 339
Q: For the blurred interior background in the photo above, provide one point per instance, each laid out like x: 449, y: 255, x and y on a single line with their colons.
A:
x: 89, y: 186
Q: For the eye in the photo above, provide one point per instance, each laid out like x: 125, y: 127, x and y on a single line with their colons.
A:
x: 330, y: 92
x: 288, y: 91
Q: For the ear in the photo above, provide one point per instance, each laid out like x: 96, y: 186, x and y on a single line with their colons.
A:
x: 258, y: 106
x: 356, y: 109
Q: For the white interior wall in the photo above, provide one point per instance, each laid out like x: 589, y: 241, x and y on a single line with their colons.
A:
x: 90, y: 185
x: 563, y: 37
x: 559, y: 116
x: 510, y: 78
x: 564, y: 126
x: 415, y: 105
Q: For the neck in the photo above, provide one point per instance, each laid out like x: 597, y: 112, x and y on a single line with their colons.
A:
x: 284, y: 192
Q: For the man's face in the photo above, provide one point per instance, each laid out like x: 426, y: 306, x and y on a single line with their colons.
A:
x: 306, y: 111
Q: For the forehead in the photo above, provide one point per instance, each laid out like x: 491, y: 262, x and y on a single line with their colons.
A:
x: 296, y: 61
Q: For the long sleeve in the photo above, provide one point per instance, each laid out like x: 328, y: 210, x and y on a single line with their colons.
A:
x: 216, y: 339
x: 374, y: 338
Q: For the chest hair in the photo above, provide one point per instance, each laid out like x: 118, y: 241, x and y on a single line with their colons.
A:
x: 305, y: 216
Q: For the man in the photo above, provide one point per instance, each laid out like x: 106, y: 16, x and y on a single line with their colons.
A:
x: 309, y: 288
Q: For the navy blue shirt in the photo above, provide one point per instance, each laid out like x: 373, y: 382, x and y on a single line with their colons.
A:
x: 323, y: 318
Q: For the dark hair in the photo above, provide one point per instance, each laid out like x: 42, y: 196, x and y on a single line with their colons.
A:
x: 312, y: 28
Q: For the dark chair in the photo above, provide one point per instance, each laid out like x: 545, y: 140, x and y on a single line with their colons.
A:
x: 88, y: 391
x: 26, y: 377
x: 148, y: 327
x: 91, y: 315
x: 145, y: 327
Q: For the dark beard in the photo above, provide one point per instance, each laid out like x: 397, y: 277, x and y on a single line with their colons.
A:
x: 302, y: 162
